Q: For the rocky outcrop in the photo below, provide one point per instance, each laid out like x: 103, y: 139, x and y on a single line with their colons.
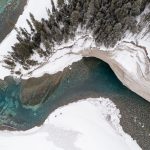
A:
x: 130, y: 63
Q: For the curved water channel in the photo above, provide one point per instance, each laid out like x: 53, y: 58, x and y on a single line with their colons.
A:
x: 89, y: 77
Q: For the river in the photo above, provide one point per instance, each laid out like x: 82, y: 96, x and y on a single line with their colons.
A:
x: 89, y: 77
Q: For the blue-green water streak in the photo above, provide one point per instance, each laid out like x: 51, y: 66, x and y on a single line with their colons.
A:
x: 5, y: 3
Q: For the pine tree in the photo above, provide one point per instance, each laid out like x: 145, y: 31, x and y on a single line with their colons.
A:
x: 53, y: 6
x: 60, y: 3
x: 30, y: 25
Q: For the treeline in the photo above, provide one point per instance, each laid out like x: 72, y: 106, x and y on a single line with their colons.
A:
x: 107, y: 19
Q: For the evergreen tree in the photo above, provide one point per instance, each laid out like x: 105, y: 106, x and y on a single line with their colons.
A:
x: 60, y: 3
x: 106, y: 19
x: 30, y: 25
x: 53, y: 6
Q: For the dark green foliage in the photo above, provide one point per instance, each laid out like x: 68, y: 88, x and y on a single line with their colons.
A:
x: 22, y: 51
x: 9, y: 62
x: 60, y: 3
x: 53, y: 6
x: 147, y: 17
x: 31, y: 26
x: 107, y: 19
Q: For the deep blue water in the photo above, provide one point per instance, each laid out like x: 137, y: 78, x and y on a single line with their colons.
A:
x: 88, y: 78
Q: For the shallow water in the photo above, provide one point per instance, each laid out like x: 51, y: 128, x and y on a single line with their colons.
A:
x: 88, y: 78
x: 5, y: 3
x: 10, y: 10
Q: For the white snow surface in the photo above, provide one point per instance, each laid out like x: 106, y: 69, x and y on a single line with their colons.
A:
x: 65, y: 52
x: 38, y: 9
x: 131, y: 58
x: 89, y: 124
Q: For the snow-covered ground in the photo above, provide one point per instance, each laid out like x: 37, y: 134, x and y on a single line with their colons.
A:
x: 132, y: 58
x: 90, y: 124
x: 57, y: 63
x: 38, y: 9
x: 63, y: 57
x: 142, y: 38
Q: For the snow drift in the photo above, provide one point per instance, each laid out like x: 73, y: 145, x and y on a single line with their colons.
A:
x: 89, y: 124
